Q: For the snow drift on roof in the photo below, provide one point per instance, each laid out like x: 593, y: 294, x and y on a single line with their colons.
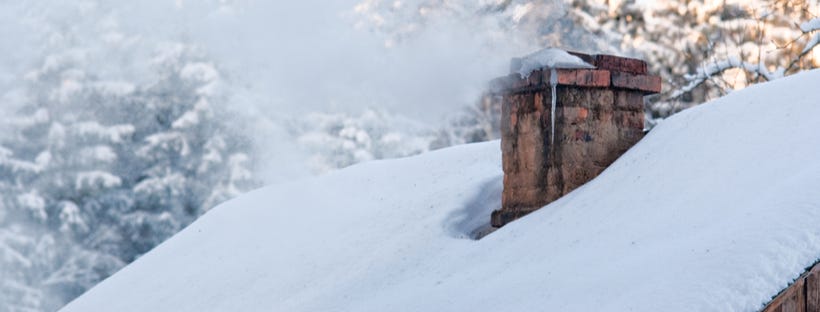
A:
x: 550, y: 58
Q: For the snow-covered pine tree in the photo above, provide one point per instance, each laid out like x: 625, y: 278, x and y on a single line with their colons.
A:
x: 337, y: 140
x: 191, y: 156
x: 97, y: 172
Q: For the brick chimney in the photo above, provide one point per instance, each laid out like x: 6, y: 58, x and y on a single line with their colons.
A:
x: 598, y: 116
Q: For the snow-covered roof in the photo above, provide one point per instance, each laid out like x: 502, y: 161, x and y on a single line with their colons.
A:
x: 715, y: 210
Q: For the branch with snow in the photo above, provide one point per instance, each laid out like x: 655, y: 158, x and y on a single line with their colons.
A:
x: 807, y: 28
x: 709, y: 70
x: 812, y: 25
x: 715, y: 68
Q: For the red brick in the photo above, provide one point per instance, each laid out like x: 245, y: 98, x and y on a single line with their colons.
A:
x: 647, y: 84
x: 581, y: 77
x: 629, y: 100
x: 613, y: 63
x: 517, y: 82
x: 534, y: 79
x: 620, y: 64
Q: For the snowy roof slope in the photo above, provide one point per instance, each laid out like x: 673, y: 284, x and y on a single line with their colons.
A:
x: 715, y: 210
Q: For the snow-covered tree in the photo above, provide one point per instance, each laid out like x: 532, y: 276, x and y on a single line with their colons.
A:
x: 718, y: 45
x: 97, y: 171
x: 477, y: 123
x: 525, y: 24
x: 341, y: 139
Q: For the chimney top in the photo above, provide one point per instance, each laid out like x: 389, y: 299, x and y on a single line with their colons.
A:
x: 609, y: 71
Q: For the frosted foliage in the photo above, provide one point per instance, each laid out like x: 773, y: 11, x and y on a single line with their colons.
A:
x: 476, y: 123
x: 98, y: 167
x: 34, y: 204
x: 520, y: 24
x: 42, y: 271
x: 204, y: 73
x: 340, y: 140
x: 811, y: 25
x: 71, y: 218
x: 99, y: 154
x: 112, y: 134
x: 759, y: 40
x: 96, y: 180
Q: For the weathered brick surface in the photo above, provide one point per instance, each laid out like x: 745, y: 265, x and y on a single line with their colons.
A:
x: 518, y: 83
x: 596, y: 122
x: 536, y: 78
x: 580, y: 77
x: 630, y: 101
x: 613, y: 63
x: 620, y: 64
x: 648, y: 84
